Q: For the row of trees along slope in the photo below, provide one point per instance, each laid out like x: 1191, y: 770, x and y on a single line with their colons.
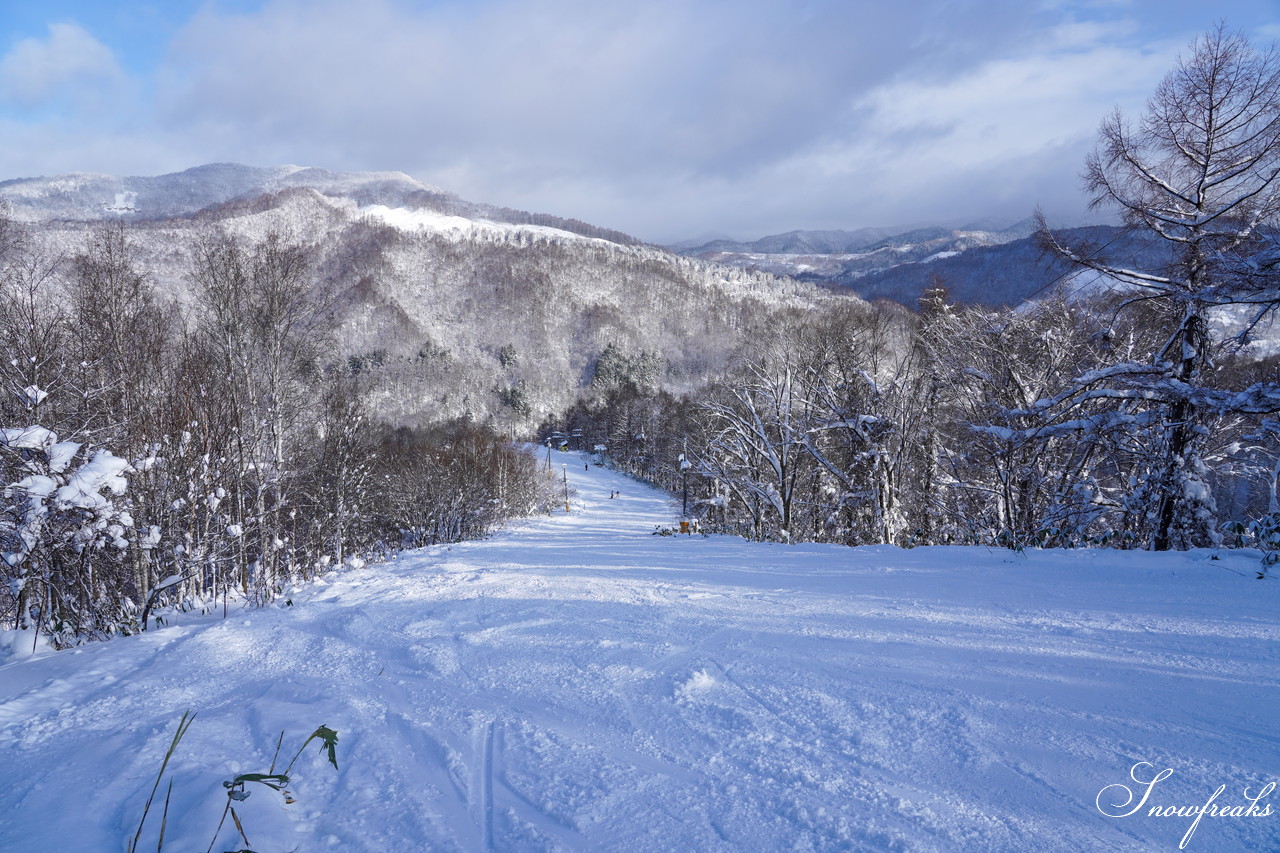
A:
x: 284, y: 381
x: 1129, y: 414
x: 157, y: 451
x: 448, y: 316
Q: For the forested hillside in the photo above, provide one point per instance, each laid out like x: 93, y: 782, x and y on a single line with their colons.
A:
x: 1133, y: 410
x: 322, y: 367
x: 213, y: 402
x: 444, y: 307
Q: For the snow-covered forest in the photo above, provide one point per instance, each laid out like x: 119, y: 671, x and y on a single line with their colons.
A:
x: 1127, y: 409
x: 1043, y: 426
x: 155, y: 455
x: 292, y: 380
x: 321, y: 369
x: 350, y: 457
x: 225, y: 399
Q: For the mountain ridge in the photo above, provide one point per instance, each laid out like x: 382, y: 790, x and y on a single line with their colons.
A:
x: 840, y: 241
x: 91, y: 196
x: 430, y: 289
x: 843, y: 258
x: 873, y: 262
x: 88, y: 196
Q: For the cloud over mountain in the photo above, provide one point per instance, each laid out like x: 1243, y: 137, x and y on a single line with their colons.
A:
x: 662, y: 119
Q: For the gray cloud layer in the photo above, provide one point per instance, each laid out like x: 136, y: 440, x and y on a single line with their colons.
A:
x: 663, y: 118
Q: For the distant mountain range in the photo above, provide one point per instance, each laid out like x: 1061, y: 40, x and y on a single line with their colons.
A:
x: 864, y: 241
x: 85, y: 196
x: 89, y: 196
x: 978, y: 265
x: 448, y: 307
x: 993, y: 267
x: 1005, y: 274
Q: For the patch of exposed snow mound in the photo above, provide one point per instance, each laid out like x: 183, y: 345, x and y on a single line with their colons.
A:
x: 462, y: 228
x: 699, y: 683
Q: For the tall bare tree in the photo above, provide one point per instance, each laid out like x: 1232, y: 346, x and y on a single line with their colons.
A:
x: 1200, y: 171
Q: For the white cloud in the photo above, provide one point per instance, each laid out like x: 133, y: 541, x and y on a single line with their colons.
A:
x: 556, y: 103
x: 1004, y: 108
x: 68, y: 60
x: 996, y: 139
x: 663, y: 118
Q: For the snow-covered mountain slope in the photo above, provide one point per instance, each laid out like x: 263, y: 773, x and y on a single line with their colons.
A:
x: 576, y: 683
x: 1004, y: 274
x: 429, y: 288
x: 88, y: 196
x: 846, y: 258
x: 997, y: 267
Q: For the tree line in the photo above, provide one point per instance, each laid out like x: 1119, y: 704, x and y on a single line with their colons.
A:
x: 955, y: 425
x: 1126, y: 410
x: 157, y: 453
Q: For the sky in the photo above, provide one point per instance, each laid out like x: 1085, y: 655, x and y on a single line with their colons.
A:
x: 667, y: 119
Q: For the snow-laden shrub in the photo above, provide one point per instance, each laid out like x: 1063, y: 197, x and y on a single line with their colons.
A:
x: 1262, y: 533
x: 1266, y: 536
x: 61, y: 532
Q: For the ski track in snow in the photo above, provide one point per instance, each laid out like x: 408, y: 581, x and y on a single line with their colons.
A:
x: 576, y: 683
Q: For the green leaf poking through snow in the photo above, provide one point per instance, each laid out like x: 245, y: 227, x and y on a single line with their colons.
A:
x: 330, y: 739
x: 328, y: 742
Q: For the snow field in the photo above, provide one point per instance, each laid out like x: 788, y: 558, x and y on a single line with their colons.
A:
x: 576, y: 683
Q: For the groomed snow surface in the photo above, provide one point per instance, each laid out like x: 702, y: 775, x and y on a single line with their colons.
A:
x: 576, y: 683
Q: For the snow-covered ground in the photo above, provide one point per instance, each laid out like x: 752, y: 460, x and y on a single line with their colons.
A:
x: 576, y: 683
x: 461, y: 228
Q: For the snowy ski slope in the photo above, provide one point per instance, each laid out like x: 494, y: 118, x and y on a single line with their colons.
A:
x: 576, y: 683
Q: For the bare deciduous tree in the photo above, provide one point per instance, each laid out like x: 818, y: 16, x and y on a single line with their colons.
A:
x: 1201, y: 171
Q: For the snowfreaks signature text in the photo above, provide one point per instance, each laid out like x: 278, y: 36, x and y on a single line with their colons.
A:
x: 1118, y: 801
